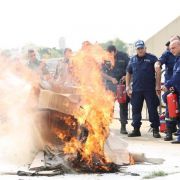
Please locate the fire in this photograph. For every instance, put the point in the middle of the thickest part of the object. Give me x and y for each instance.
(131, 159)
(96, 113)
(85, 131)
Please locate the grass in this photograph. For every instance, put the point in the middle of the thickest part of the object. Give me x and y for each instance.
(155, 174)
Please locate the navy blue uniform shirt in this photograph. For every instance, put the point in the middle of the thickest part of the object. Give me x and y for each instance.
(168, 59)
(175, 79)
(119, 69)
(143, 72)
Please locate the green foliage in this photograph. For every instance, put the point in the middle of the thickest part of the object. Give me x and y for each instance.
(120, 45)
(47, 53)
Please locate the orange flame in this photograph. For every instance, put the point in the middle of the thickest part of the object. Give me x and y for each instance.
(97, 101)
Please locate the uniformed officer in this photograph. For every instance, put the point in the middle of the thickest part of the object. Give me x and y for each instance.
(168, 59)
(141, 70)
(114, 70)
(175, 79)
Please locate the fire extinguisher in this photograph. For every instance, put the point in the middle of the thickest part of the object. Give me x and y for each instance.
(121, 92)
(172, 102)
(163, 127)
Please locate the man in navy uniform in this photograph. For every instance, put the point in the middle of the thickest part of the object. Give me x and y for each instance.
(142, 72)
(175, 79)
(114, 70)
(167, 59)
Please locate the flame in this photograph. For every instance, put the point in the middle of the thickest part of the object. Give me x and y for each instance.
(131, 160)
(96, 112)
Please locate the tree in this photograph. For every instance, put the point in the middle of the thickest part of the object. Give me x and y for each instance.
(47, 53)
(120, 45)
(106, 44)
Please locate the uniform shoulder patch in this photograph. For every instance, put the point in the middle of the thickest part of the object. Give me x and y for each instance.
(147, 60)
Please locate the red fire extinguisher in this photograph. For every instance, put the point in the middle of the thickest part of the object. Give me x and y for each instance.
(172, 102)
(121, 93)
(163, 127)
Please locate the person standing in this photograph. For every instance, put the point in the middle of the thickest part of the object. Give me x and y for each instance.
(175, 79)
(62, 74)
(33, 62)
(114, 71)
(142, 72)
(167, 59)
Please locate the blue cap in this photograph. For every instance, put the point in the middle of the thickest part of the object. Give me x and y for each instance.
(139, 44)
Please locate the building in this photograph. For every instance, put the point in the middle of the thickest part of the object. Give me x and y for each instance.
(156, 43)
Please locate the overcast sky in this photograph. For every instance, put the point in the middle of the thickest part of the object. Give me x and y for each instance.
(43, 22)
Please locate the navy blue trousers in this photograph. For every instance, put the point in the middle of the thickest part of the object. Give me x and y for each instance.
(124, 111)
(152, 102)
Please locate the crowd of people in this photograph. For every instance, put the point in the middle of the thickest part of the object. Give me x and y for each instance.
(143, 82)
(141, 75)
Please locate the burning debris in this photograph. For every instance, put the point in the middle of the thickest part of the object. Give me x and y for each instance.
(84, 113)
(97, 106)
(78, 113)
(94, 116)
(68, 125)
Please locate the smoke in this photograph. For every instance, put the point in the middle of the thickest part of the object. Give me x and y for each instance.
(19, 136)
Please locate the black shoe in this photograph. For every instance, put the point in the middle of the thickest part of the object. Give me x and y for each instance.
(177, 133)
(123, 129)
(135, 133)
(169, 136)
(156, 133)
(177, 141)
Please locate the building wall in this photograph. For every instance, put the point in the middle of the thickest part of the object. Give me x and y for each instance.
(156, 44)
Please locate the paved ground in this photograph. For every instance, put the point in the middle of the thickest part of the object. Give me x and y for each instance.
(153, 148)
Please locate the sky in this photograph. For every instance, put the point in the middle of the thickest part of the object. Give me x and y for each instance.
(43, 22)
